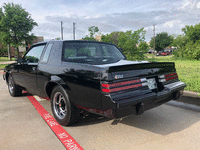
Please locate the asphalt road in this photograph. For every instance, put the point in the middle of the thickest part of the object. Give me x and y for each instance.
(172, 126)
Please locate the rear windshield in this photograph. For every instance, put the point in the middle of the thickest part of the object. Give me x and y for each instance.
(91, 53)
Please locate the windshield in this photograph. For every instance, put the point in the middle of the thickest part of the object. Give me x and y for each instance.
(91, 53)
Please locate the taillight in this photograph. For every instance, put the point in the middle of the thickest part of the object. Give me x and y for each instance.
(167, 77)
(114, 87)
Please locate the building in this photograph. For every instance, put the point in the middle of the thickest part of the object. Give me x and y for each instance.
(23, 49)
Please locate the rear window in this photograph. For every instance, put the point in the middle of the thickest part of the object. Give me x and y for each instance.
(91, 53)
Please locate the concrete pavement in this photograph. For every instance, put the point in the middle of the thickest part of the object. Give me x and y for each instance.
(7, 62)
(164, 127)
(21, 126)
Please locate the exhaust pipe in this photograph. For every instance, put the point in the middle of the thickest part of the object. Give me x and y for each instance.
(139, 108)
(176, 95)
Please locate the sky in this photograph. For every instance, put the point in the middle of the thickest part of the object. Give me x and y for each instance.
(109, 15)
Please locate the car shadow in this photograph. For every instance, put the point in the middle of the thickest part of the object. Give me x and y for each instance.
(91, 119)
(163, 120)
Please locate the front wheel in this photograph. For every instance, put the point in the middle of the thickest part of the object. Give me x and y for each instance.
(14, 89)
(63, 110)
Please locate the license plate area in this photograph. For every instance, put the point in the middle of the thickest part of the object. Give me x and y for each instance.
(152, 83)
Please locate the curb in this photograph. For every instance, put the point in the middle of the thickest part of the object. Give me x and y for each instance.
(191, 94)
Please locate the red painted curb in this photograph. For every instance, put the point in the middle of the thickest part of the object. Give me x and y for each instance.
(67, 140)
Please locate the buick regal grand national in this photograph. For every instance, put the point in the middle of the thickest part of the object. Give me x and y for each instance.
(83, 76)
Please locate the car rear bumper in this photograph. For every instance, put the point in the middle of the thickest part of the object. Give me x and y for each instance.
(144, 102)
(137, 105)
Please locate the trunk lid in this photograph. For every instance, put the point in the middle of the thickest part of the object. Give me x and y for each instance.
(129, 79)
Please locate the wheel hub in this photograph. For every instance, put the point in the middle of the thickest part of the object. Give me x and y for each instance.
(59, 104)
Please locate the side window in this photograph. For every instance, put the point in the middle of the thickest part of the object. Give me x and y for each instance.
(33, 56)
(46, 54)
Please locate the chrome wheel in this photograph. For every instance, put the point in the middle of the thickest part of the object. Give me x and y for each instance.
(11, 85)
(59, 104)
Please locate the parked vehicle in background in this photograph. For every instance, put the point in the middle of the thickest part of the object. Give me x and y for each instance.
(150, 51)
(168, 51)
(90, 76)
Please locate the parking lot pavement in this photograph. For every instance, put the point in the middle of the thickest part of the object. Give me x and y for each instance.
(165, 127)
(21, 127)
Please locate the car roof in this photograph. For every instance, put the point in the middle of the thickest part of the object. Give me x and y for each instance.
(71, 41)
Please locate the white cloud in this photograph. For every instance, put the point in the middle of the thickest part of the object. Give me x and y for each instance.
(198, 5)
(169, 24)
(110, 15)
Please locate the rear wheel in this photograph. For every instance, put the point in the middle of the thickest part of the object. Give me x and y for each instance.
(14, 89)
(63, 109)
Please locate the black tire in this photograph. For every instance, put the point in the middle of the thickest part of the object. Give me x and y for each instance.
(63, 110)
(13, 89)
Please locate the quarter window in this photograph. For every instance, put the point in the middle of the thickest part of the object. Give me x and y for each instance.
(46, 54)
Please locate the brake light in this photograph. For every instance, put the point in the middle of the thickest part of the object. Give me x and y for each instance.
(106, 90)
(105, 85)
(113, 87)
(167, 77)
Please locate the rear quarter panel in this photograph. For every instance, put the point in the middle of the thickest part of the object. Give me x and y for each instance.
(81, 81)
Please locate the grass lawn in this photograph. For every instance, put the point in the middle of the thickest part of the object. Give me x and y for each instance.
(4, 59)
(188, 72)
(3, 65)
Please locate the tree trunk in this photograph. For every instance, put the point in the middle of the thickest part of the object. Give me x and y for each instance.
(26, 46)
(9, 52)
(17, 52)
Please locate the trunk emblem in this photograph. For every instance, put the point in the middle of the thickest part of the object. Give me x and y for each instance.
(119, 76)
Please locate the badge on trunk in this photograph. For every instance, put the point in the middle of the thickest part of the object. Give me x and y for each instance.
(152, 83)
(118, 76)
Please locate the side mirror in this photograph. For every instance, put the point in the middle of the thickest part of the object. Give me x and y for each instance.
(19, 60)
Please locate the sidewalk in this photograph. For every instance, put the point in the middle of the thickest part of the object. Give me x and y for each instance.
(6, 62)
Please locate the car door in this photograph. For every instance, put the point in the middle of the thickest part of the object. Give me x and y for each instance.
(28, 68)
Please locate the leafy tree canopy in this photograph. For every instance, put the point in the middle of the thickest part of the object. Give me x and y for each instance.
(92, 31)
(162, 40)
(192, 32)
(128, 42)
(15, 25)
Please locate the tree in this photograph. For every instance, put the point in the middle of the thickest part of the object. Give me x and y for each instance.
(57, 38)
(15, 25)
(128, 42)
(192, 32)
(113, 37)
(162, 40)
(179, 41)
(92, 31)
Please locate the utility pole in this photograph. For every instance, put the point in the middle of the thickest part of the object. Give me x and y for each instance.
(61, 31)
(74, 30)
(154, 37)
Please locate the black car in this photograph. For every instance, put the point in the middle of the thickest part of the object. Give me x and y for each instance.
(91, 76)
